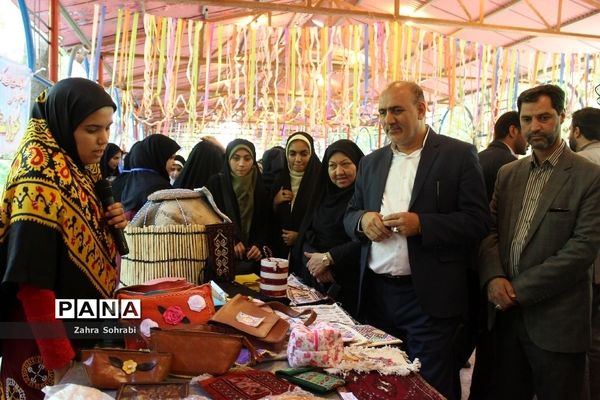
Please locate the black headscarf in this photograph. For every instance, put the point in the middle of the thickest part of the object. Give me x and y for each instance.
(328, 205)
(179, 158)
(272, 161)
(109, 152)
(126, 158)
(153, 153)
(148, 171)
(221, 186)
(51, 195)
(69, 102)
(205, 160)
(292, 218)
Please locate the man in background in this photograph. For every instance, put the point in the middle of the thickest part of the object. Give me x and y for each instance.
(584, 138)
(507, 144)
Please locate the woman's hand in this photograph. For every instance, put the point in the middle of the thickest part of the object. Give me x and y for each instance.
(315, 264)
(115, 216)
(254, 254)
(289, 237)
(239, 250)
(282, 196)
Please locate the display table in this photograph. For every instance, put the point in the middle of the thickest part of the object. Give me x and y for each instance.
(412, 387)
(77, 375)
(365, 386)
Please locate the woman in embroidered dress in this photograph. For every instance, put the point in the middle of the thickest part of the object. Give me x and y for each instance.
(150, 162)
(324, 256)
(54, 237)
(109, 165)
(239, 192)
(293, 189)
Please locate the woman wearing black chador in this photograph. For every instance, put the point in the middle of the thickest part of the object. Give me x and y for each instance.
(324, 256)
(239, 192)
(292, 191)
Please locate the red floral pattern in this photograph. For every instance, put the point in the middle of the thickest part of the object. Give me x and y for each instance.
(173, 315)
(46, 187)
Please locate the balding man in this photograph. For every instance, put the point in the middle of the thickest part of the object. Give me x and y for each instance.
(419, 209)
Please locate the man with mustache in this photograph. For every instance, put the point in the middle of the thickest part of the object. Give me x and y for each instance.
(419, 209)
(536, 263)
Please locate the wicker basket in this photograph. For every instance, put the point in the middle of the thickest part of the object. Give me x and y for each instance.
(168, 237)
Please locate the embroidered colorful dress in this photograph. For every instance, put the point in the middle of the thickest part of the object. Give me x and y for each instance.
(54, 242)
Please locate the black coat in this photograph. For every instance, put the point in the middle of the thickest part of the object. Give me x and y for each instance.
(491, 159)
(226, 201)
(449, 196)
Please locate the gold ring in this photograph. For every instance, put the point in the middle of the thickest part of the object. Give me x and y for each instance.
(498, 307)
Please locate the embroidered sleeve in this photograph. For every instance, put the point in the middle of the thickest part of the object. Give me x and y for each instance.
(50, 336)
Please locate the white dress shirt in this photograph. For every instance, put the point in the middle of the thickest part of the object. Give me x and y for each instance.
(390, 256)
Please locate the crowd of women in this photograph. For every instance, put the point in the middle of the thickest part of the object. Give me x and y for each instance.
(291, 203)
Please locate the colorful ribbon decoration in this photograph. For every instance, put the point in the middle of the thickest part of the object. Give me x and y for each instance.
(326, 79)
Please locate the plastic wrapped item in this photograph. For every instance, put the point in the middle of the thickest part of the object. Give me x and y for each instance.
(319, 345)
(72, 391)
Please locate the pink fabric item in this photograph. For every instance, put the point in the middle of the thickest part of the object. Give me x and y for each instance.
(318, 345)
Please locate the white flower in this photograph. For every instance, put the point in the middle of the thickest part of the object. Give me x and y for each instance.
(146, 325)
(196, 303)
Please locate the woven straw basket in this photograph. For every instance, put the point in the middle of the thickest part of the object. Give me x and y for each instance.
(167, 237)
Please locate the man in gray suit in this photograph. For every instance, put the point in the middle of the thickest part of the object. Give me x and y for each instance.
(584, 138)
(535, 265)
(419, 208)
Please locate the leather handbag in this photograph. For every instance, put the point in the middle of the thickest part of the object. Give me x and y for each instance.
(109, 368)
(200, 349)
(259, 322)
(167, 303)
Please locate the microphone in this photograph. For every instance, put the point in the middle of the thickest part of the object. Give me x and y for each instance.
(105, 195)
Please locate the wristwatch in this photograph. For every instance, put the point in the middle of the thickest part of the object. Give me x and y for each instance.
(326, 261)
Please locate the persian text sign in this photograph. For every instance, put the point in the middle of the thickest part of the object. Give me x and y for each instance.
(15, 93)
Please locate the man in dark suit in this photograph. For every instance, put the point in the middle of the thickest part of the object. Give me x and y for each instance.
(419, 208)
(584, 138)
(536, 263)
(507, 143)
